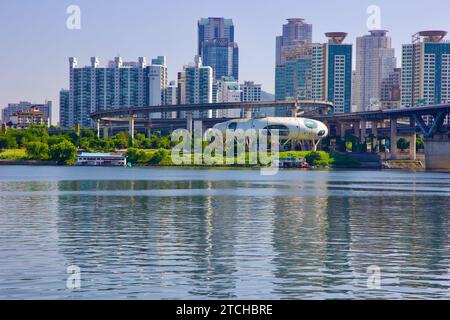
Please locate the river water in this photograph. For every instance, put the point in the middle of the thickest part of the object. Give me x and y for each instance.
(223, 234)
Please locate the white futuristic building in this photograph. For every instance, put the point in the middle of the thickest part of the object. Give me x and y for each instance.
(290, 129)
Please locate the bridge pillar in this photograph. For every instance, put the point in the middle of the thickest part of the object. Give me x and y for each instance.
(363, 135)
(98, 129)
(393, 138)
(357, 129)
(340, 130)
(131, 128)
(375, 136)
(412, 147)
(105, 132)
(248, 113)
(189, 116)
(437, 152)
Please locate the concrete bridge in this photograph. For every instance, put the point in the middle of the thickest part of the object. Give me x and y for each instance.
(428, 121)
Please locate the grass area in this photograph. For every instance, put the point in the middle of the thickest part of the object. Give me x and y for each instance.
(13, 154)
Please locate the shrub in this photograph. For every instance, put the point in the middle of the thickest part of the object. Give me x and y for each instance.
(159, 156)
(37, 150)
(64, 153)
(137, 156)
(318, 159)
(420, 145)
(403, 144)
(7, 142)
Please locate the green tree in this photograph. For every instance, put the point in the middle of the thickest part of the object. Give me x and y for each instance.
(137, 156)
(7, 142)
(159, 156)
(403, 144)
(64, 153)
(55, 140)
(37, 150)
(420, 144)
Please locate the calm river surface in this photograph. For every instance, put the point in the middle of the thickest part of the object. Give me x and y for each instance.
(208, 234)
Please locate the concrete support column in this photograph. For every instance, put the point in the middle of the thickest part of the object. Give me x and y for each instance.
(375, 136)
(189, 116)
(248, 113)
(105, 132)
(356, 127)
(294, 111)
(393, 138)
(131, 128)
(98, 129)
(437, 152)
(342, 130)
(412, 147)
(363, 135)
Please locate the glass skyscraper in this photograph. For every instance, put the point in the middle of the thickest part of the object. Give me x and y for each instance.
(217, 47)
(295, 33)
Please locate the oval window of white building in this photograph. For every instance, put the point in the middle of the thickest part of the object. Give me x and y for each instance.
(311, 124)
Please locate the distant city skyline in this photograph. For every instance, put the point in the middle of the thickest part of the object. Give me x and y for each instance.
(34, 50)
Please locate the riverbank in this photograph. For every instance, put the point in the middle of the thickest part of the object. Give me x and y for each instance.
(163, 158)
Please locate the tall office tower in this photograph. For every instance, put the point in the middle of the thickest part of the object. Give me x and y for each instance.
(214, 28)
(228, 90)
(375, 61)
(316, 71)
(217, 47)
(391, 90)
(64, 108)
(338, 73)
(93, 88)
(295, 33)
(426, 69)
(12, 108)
(198, 86)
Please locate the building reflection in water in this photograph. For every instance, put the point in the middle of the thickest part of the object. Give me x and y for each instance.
(172, 239)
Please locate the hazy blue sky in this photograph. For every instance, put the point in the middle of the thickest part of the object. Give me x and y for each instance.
(35, 43)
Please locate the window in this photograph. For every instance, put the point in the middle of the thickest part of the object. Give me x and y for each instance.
(283, 130)
(232, 126)
(311, 124)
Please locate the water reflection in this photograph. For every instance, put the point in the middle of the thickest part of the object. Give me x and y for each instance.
(235, 235)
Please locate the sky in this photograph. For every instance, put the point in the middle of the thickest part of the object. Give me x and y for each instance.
(35, 43)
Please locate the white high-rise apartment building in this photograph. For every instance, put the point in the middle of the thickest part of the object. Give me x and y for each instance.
(119, 85)
(375, 61)
(196, 86)
(157, 85)
(228, 91)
